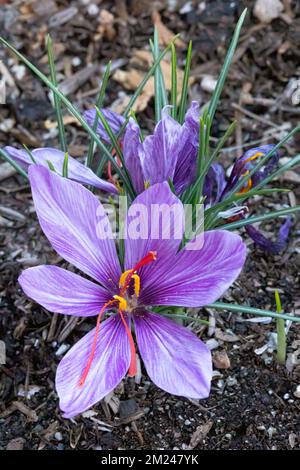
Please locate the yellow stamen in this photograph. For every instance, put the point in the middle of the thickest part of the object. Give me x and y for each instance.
(123, 277)
(256, 155)
(249, 184)
(122, 302)
(137, 284)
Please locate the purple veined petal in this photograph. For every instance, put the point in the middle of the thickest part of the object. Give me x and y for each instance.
(197, 277)
(158, 153)
(175, 359)
(76, 170)
(62, 291)
(155, 222)
(115, 121)
(192, 118)
(269, 245)
(214, 184)
(76, 225)
(109, 366)
(131, 144)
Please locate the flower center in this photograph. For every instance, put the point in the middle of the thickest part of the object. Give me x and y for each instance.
(247, 188)
(125, 303)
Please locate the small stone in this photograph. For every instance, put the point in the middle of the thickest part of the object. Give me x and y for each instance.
(231, 382)
(221, 360)
(212, 344)
(16, 444)
(286, 396)
(187, 422)
(58, 436)
(297, 392)
(93, 9)
(208, 83)
(267, 10)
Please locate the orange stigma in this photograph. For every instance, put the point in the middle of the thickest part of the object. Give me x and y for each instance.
(121, 301)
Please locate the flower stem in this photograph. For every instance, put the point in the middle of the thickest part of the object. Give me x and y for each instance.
(281, 335)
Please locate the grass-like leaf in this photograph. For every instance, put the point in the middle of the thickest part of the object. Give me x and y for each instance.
(224, 72)
(99, 104)
(185, 83)
(57, 102)
(253, 311)
(173, 82)
(260, 218)
(17, 167)
(65, 166)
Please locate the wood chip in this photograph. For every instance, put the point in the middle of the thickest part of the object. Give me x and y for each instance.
(165, 36)
(16, 444)
(200, 434)
(221, 360)
(31, 414)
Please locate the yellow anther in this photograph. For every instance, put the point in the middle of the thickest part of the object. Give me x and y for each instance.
(123, 277)
(122, 302)
(137, 284)
(256, 155)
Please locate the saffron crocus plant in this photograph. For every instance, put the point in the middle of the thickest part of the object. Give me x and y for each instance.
(156, 273)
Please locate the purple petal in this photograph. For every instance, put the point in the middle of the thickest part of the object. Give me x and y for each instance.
(64, 292)
(247, 162)
(175, 359)
(158, 153)
(188, 144)
(267, 244)
(109, 366)
(214, 184)
(131, 145)
(115, 121)
(196, 277)
(149, 229)
(76, 170)
(74, 222)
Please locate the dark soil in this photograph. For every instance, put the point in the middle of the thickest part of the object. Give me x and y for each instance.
(254, 402)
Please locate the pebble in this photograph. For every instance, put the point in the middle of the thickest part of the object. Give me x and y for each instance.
(221, 360)
(231, 382)
(93, 9)
(58, 436)
(208, 83)
(297, 392)
(267, 10)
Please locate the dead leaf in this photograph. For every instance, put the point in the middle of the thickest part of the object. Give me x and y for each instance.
(106, 27)
(200, 434)
(227, 336)
(165, 36)
(131, 78)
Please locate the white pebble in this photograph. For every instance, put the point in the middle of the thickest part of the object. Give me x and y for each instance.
(93, 9)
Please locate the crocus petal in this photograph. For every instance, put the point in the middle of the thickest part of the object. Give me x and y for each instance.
(158, 153)
(131, 146)
(76, 170)
(64, 292)
(271, 246)
(175, 359)
(155, 222)
(109, 366)
(115, 121)
(75, 223)
(214, 184)
(197, 277)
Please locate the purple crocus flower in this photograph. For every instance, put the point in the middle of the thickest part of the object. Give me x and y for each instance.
(217, 186)
(155, 274)
(76, 170)
(169, 154)
(115, 121)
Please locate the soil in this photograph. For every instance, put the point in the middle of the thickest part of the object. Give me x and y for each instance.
(254, 403)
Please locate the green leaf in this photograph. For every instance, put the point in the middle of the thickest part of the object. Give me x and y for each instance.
(57, 103)
(253, 311)
(260, 218)
(30, 154)
(185, 83)
(173, 82)
(99, 104)
(65, 166)
(17, 167)
(224, 72)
